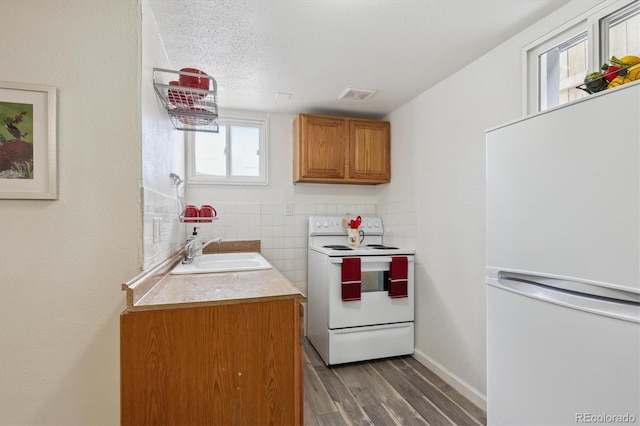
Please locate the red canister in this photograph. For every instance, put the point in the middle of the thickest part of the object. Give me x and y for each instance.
(191, 213)
(207, 213)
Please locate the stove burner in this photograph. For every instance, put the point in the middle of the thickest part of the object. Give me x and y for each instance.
(337, 247)
(381, 247)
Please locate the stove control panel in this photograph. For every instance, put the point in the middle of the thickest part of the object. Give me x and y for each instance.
(333, 225)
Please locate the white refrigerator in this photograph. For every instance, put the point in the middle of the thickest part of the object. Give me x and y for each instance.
(563, 264)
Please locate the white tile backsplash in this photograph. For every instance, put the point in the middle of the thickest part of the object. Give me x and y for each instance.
(163, 209)
(283, 238)
(400, 220)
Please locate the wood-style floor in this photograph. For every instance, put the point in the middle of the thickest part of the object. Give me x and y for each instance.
(393, 391)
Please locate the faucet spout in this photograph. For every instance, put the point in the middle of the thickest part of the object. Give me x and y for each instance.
(191, 252)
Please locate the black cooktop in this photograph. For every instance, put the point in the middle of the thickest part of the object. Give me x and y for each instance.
(381, 247)
(371, 246)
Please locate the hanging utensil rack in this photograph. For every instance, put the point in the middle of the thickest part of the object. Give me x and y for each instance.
(189, 108)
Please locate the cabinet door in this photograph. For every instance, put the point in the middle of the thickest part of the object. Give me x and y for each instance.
(238, 364)
(369, 155)
(322, 142)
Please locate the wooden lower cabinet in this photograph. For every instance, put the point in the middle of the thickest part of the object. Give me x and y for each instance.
(234, 364)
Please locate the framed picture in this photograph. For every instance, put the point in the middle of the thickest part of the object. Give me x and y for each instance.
(28, 153)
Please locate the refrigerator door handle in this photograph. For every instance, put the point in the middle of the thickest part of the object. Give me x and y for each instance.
(573, 286)
(627, 311)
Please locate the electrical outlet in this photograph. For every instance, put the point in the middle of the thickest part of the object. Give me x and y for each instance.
(288, 209)
(156, 230)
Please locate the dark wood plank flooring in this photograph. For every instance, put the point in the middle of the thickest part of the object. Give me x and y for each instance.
(392, 391)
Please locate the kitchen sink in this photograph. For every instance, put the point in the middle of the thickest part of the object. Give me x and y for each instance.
(223, 262)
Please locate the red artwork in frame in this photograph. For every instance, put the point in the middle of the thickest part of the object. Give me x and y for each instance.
(16, 141)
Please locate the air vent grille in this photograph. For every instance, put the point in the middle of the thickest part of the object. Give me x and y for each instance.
(359, 95)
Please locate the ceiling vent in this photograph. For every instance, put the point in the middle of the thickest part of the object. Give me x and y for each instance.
(353, 94)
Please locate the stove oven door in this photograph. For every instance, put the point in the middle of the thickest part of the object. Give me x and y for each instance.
(375, 306)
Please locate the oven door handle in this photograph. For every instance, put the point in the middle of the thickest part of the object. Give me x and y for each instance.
(370, 259)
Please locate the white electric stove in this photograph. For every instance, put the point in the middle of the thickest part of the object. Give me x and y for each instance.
(378, 321)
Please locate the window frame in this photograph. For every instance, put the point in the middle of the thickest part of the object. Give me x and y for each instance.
(580, 34)
(588, 22)
(239, 118)
(622, 13)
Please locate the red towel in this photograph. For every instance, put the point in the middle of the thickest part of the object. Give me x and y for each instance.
(351, 279)
(398, 276)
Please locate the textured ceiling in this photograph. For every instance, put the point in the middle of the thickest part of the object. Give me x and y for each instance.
(316, 49)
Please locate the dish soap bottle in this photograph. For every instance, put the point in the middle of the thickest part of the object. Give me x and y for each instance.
(194, 234)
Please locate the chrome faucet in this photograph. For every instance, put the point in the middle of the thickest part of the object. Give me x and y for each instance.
(190, 252)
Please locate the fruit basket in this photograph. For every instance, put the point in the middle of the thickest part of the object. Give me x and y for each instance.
(189, 97)
(618, 72)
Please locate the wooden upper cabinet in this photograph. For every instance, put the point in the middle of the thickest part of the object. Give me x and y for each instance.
(369, 155)
(340, 150)
(323, 155)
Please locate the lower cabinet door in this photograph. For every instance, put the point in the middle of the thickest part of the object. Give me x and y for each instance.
(233, 364)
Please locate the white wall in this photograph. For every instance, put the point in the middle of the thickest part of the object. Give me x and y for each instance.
(62, 262)
(438, 160)
(162, 152)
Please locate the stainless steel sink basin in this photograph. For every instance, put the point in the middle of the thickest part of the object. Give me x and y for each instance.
(223, 262)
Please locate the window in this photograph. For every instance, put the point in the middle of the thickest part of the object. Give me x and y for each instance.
(562, 68)
(236, 154)
(620, 32)
(559, 63)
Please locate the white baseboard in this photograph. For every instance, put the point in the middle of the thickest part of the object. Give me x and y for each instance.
(469, 392)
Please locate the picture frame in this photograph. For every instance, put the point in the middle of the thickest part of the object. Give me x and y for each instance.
(28, 145)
